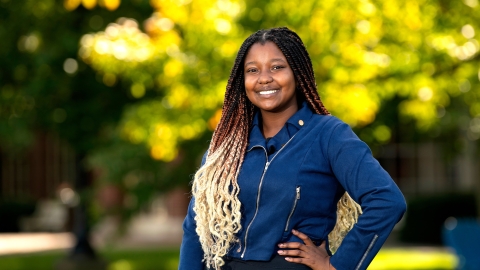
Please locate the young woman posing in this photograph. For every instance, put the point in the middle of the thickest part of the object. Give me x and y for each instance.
(274, 188)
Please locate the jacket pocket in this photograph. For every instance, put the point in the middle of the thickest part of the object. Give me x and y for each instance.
(297, 197)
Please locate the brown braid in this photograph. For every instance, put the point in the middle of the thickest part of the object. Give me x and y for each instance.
(215, 186)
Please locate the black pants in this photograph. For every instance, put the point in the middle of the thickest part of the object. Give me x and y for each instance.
(278, 262)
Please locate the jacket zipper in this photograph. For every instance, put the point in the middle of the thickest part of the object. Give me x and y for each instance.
(258, 203)
(260, 189)
(368, 250)
(297, 197)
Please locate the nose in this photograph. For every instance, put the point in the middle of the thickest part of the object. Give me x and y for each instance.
(265, 78)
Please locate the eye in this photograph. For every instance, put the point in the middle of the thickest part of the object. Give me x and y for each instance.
(277, 67)
(251, 70)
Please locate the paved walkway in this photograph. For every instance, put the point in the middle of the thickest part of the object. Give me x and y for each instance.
(143, 231)
(14, 243)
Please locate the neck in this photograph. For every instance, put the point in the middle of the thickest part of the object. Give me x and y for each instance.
(272, 122)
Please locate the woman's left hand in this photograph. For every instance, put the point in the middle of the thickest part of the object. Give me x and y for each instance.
(315, 257)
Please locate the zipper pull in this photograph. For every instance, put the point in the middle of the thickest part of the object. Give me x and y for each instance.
(298, 193)
(266, 166)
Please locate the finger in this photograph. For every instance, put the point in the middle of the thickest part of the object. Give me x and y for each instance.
(292, 245)
(298, 260)
(304, 237)
(292, 252)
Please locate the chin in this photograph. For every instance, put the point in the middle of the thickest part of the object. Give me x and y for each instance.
(268, 107)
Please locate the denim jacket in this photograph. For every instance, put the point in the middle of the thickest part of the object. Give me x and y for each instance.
(294, 181)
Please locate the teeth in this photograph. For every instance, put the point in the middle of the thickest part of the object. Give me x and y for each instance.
(267, 92)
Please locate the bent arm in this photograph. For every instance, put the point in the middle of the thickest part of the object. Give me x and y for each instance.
(382, 203)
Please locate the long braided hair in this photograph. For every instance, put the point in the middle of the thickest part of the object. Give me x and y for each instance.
(215, 186)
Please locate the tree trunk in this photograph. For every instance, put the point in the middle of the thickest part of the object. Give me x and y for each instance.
(82, 256)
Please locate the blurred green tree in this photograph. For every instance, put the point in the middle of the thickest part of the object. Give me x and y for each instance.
(44, 87)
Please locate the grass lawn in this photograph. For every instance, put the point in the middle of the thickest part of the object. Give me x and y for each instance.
(167, 259)
(414, 258)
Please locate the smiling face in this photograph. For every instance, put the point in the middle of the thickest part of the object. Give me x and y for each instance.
(269, 80)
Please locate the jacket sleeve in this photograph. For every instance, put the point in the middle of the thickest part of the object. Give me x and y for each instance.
(191, 253)
(382, 203)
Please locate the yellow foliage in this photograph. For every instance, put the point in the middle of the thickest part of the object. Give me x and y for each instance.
(341, 75)
(163, 152)
(137, 90)
(109, 79)
(352, 103)
(352, 54)
(229, 48)
(412, 18)
(167, 40)
(176, 10)
(222, 26)
(178, 95)
(199, 126)
(135, 134)
(187, 132)
(173, 68)
(319, 23)
(424, 112)
(364, 74)
(89, 4)
(329, 61)
(475, 109)
(382, 133)
(121, 43)
(366, 8)
(110, 4)
(71, 4)
(214, 120)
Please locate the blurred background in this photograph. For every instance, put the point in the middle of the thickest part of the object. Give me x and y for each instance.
(107, 106)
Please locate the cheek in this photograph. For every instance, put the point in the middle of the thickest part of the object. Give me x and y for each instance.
(292, 81)
(249, 84)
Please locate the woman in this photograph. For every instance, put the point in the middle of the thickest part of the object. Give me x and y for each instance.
(278, 165)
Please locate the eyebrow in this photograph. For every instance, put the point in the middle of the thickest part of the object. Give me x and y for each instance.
(273, 60)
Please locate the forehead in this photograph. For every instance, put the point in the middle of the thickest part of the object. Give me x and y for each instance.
(266, 51)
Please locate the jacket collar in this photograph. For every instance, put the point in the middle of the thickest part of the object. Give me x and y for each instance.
(299, 120)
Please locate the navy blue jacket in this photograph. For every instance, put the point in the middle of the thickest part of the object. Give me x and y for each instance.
(294, 180)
